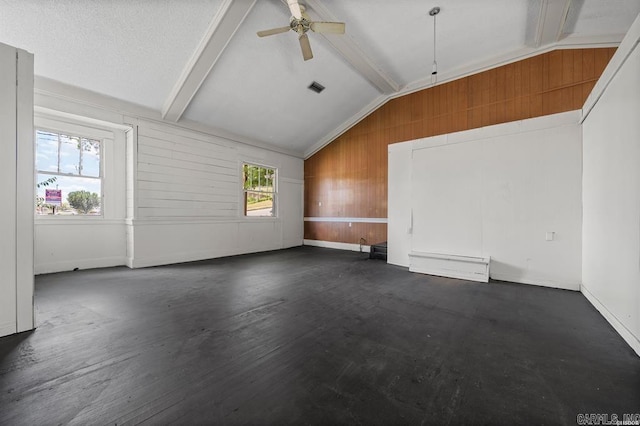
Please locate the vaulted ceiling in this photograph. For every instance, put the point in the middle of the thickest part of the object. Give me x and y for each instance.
(200, 61)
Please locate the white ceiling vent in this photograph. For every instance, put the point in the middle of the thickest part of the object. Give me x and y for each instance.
(316, 87)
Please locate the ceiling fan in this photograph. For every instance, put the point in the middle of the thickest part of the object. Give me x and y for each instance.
(301, 23)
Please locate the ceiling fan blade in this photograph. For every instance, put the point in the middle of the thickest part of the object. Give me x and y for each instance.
(328, 27)
(294, 7)
(306, 47)
(273, 31)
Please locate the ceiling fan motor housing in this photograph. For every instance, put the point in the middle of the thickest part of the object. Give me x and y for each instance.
(301, 25)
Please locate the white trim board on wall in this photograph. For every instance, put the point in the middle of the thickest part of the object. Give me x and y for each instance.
(338, 246)
(346, 219)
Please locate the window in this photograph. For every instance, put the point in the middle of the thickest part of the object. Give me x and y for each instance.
(69, 174)
(259, 190)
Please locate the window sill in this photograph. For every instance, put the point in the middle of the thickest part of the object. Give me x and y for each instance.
(76, 220)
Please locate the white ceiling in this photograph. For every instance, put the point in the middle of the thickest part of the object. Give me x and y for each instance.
(201, 61)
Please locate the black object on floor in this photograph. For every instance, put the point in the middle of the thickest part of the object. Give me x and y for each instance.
(309, 336)
(378, 251)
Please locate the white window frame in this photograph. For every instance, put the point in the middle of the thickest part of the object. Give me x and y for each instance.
(106, 138)
(243, 191)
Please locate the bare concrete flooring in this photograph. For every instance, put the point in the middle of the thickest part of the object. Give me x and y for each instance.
(309, 336)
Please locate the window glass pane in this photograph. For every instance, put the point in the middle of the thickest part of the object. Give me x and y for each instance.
(90, 158)
(69, 154)
(47, 151)
(259, 190)
(252, 177)
(77, 196)
(269, 175)
(247, 177)
(259, 204)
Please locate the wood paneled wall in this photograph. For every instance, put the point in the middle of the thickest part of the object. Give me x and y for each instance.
(348, 177)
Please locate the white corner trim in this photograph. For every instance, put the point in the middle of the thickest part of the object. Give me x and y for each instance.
(223, 26)
(338, 246)
(346, 219)
(623, 331)
(626, 48)
(590, 42)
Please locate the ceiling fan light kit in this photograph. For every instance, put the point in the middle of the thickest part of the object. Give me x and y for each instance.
(301, 23)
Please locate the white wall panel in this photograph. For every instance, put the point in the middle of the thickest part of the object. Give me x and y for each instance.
(399, 225)
(25, 193)
(178, 195)
(16, 184)
(446, 200)
(496, 192)
(532, 186)
(8, 185)
(611, 192)
(291, 209)
(66, 243)
(189, 198)
(79, 244)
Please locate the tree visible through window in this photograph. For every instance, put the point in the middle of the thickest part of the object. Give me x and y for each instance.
(69, 178)
(259, 190)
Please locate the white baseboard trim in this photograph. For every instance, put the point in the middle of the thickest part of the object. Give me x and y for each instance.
(70, 265)
(339, 246)
(291, 243)
(541, 282)
(7, 329)
(623, 331)
(194, 256)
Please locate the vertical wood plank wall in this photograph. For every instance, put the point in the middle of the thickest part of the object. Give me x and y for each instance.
(348, 177)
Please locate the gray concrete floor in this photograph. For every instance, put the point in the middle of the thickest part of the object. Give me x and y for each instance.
(309, 336)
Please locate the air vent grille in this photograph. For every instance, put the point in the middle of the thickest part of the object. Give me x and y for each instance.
(316, 87)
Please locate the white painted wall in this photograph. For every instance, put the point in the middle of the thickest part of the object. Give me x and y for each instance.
(16, 184)
(189, 198)
(65, 243)
(175, 192)
(494, 191)
(611, 192)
